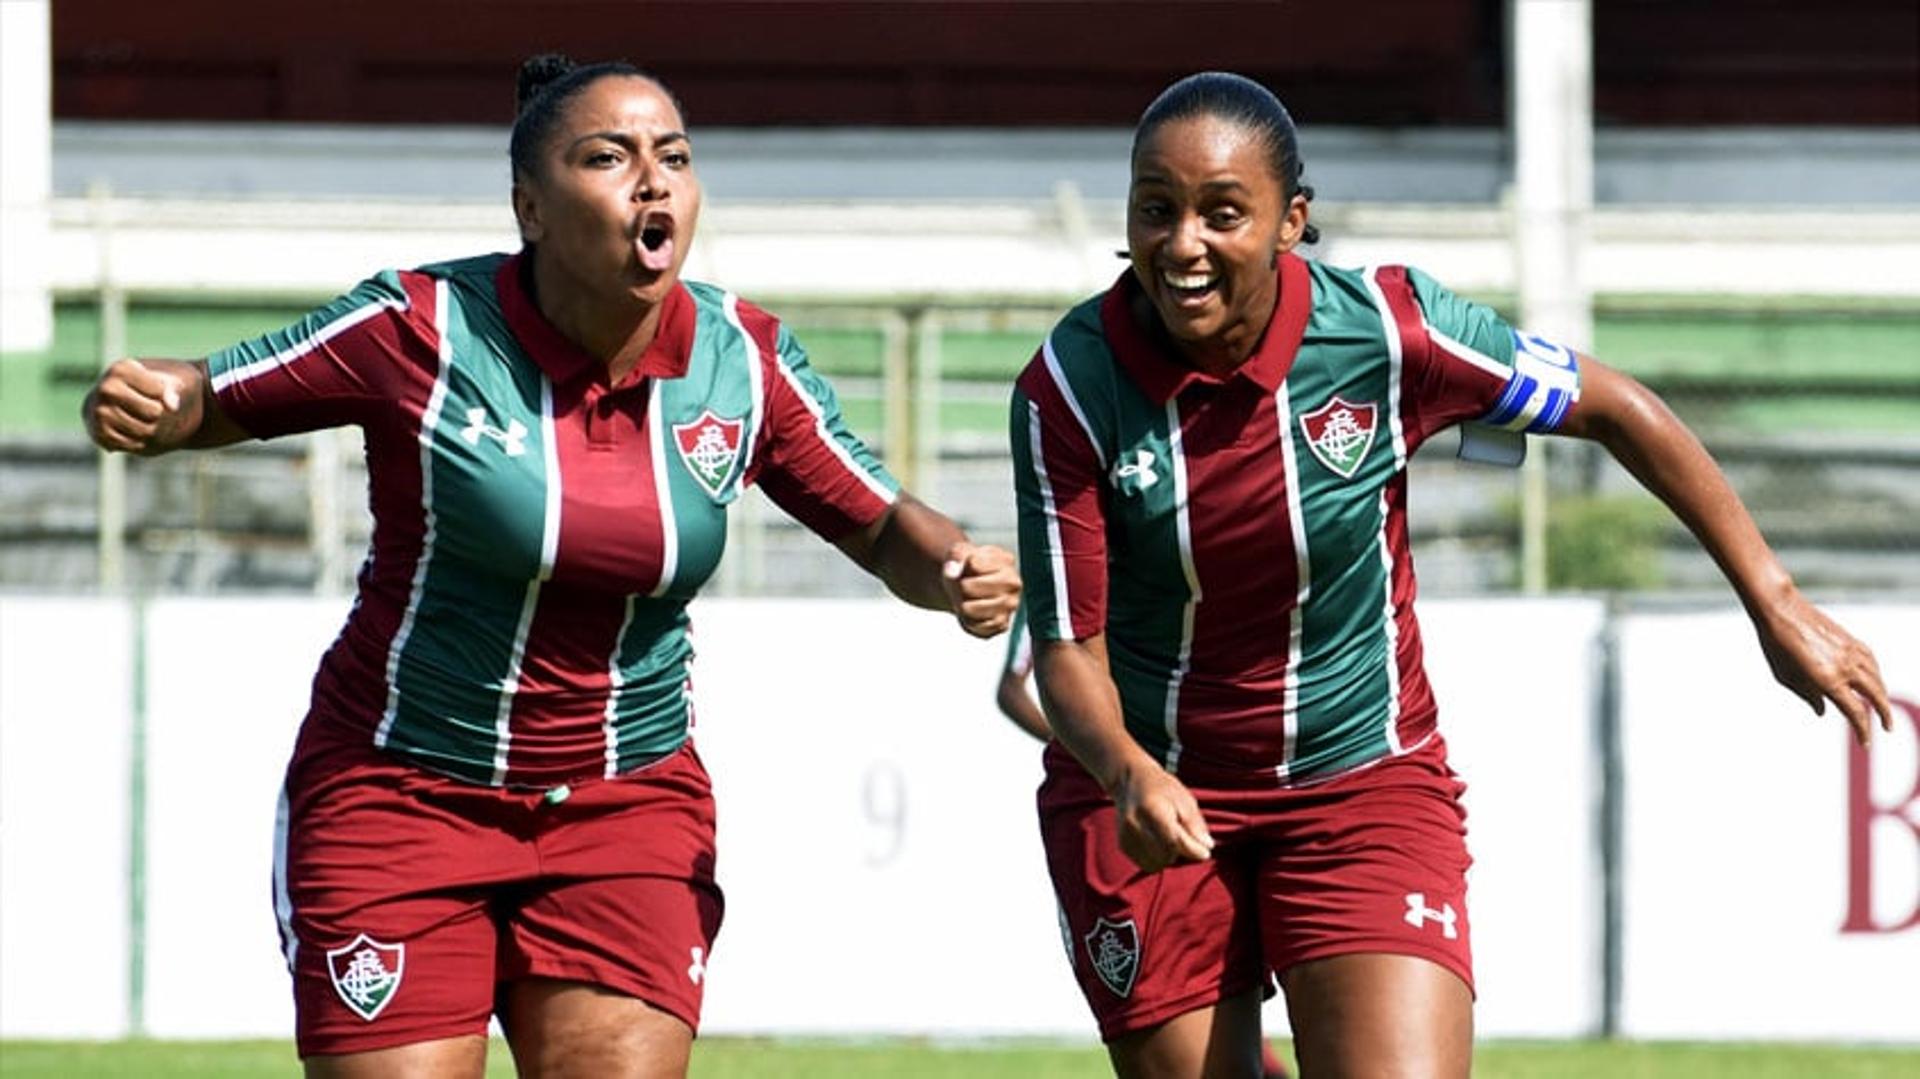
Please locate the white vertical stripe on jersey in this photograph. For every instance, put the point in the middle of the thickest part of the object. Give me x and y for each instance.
(1303, 577)
(1056, 553)
(614, 681)
(1183, 523)
(833, 444)
(1396, 366)
(549, 551)
(662, 490)
(1066, 392)
(293, 352)
(756, 383)
(430, 528)
(282, 895)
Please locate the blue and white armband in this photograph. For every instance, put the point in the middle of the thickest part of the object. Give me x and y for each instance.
(1544, 384)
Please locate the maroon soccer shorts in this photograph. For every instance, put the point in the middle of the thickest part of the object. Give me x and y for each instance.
(406, 899)
(1373, 861)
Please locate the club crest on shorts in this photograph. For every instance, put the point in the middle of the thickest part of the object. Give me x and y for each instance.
(1340, 434)
(366, 974)
(710, 446)
(1114, 950)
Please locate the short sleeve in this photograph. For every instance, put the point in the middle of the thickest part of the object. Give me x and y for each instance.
(1057, 490)
(1467, 364)
(335, 366)
(812, 465)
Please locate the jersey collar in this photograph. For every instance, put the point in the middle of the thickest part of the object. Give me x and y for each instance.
(1162, 375)
(563, 361)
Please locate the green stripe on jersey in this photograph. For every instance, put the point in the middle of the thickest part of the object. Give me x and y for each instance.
(1147, 590)
(489, 499)
(1346, 696)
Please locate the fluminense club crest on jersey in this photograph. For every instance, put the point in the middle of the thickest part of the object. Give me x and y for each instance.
(1114, 950)
(710, 446)
(366, 973)
(1340, 433)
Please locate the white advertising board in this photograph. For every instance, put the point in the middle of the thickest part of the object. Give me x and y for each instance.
(66, 703)
(1769, 891)
(227, 685)
(1516, 684)
(877, 835)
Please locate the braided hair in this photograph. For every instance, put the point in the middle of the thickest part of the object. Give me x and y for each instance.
(1245, 103)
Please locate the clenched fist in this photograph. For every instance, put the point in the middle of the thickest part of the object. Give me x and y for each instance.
(983, 587)
(146, 406)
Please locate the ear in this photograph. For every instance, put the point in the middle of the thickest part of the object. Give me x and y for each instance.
(1292, 226)
(526, 210)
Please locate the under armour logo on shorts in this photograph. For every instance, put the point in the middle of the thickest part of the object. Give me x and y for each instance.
(1419, 914)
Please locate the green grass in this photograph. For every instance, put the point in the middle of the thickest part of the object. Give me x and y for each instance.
(734, 1058)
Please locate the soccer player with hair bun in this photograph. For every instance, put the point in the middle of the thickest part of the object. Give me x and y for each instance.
(1247, 780)
(494, 806)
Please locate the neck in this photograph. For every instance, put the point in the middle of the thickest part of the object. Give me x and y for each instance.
(615, 333)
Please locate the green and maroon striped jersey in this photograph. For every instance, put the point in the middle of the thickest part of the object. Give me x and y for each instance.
(1242, 541)
(537, 531)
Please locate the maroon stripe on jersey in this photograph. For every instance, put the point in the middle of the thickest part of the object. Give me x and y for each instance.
(611, 543)
(558, 725)
(797, 465)
(1417, 712)
(351, 686)
(1242, 539)
(1074, 478)
(348, 378)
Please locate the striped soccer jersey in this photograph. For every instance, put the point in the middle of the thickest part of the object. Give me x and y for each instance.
(537, 533)
(1242, 542)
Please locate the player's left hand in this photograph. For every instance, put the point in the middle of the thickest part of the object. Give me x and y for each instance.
(1819, 661)
(983, 587)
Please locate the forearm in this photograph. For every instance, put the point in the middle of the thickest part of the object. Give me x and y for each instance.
(1018, 705)
(907, 549)
(1660, 452)
(1083, 708)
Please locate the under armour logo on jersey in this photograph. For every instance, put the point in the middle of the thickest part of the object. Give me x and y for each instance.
(1419, 914)
(1139, 470)
(513, 439)
(697, 969)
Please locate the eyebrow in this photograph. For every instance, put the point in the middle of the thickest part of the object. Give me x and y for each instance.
(1210, 186)
(626, 139)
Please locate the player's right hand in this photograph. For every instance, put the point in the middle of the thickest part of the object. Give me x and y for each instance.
(144, 408)
(1160, 821)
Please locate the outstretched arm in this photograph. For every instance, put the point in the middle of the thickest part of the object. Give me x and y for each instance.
(926, 559)
(1809, 653)
(149, 407)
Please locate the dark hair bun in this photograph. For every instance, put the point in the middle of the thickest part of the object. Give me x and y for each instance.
(536, 72)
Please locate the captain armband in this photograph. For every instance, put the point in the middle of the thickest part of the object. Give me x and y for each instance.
(1544, 384)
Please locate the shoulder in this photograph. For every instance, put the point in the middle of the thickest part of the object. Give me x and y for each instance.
(1075, 349)
(717, 305)
(480, 268)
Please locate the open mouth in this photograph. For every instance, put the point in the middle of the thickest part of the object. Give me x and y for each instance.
(1189, 287)
(655, 243)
